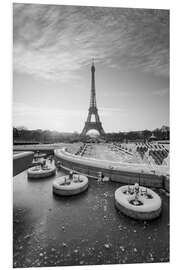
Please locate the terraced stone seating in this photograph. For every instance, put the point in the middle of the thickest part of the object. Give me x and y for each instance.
(151, 153)
(165, 148)
(142, 150)
(158, 156)
(81, 150)
(165, 153)
(118, 147)
(154, 156)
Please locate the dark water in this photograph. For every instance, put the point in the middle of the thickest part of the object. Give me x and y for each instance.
(84, 229)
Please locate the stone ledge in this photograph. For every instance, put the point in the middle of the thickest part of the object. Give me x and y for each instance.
(121, 176)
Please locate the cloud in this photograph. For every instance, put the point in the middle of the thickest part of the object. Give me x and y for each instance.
(24, 110)
(161, 92)
(21, 109)
(60, 119)
(38, 117)
(109, 111)
(55, 42)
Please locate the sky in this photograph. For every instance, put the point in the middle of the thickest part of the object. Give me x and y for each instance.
(53, 47)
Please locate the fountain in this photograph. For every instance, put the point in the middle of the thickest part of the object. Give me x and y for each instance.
(70, 184)
(41, 171)
(138, 202)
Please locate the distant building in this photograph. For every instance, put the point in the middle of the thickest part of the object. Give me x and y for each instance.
(152, 138)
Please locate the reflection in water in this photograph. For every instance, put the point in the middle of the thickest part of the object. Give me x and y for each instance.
(82, 229)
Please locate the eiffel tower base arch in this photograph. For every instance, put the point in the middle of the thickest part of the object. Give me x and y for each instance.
(93, 125)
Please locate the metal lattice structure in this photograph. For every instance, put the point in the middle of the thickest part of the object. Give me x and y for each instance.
(97, 125)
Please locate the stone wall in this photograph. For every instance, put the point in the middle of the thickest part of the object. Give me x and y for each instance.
(22, 161)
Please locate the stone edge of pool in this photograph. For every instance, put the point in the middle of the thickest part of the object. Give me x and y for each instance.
(22, 161)
(122, 173)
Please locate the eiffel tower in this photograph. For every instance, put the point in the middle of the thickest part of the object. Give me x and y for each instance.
(93, 109)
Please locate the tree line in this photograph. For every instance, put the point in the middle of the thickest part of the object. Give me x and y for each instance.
(23, 136)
